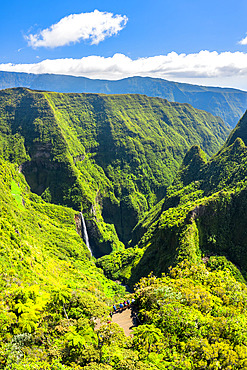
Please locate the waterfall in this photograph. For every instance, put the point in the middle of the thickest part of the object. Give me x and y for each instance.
(85, 234)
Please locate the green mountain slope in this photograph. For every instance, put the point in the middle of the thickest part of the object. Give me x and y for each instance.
(48, 281)
(113, 156)
(203, 214)
(75, 150)
(239, 131)
(229, 104)
(52, 294)
(40, 242)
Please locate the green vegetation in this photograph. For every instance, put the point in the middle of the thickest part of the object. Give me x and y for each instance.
(16, 192)
(203, 214)
(194, 319)
(229, 104)
(51, 292)
(113, 156)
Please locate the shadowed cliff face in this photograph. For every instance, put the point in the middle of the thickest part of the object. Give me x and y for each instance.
(38, 170)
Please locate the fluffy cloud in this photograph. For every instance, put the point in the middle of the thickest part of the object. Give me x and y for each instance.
(204, 67)
(94, 26)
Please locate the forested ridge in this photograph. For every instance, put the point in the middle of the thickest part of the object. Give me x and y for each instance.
(163, 194)
(202, 214)
(227, 103)
(112, 155)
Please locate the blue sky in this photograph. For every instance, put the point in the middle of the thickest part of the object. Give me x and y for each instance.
(192, 41)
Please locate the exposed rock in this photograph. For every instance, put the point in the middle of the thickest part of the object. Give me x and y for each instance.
(41, 150)
(198, 211)
(78, 224)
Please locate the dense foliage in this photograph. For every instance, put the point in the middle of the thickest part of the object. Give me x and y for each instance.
(51, 295)
(194, 319)
(203, 214)
(51, 292)
(107, 156)
(112, 155)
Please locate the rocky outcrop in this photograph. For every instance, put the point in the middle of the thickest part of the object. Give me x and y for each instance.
(78, 224)
(198, 211)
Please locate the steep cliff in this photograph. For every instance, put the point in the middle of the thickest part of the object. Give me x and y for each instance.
(113, 156)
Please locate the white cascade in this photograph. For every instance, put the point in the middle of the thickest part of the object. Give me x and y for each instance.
(85, 234)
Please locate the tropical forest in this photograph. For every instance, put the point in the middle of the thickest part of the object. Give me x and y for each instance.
(122, 233)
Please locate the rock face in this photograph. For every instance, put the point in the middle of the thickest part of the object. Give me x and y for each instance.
(40, 171)
(198, 211)
(78, 224)
(81, 229)
(99, 247)
(96, 247)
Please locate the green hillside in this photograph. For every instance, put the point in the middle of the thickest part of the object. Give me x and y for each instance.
(50, 289)
(203, 214)
(112, 156)
(229, 104)
(51, 295)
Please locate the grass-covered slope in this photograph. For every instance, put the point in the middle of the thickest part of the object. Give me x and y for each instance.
(229, 104)
(40, 242)
(51, 294)
(113, 156)
(203, 214)
(46, 149)
(50, 289)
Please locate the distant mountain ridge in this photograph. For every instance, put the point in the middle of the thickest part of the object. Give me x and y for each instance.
(227, 103)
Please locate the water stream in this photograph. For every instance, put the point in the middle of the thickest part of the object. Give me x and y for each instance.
(85, 234)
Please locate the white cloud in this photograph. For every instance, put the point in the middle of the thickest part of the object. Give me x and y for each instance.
(243, 41)
(205, 67)
(94, 26)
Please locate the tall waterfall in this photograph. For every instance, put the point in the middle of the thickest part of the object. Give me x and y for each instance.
(85, 234)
